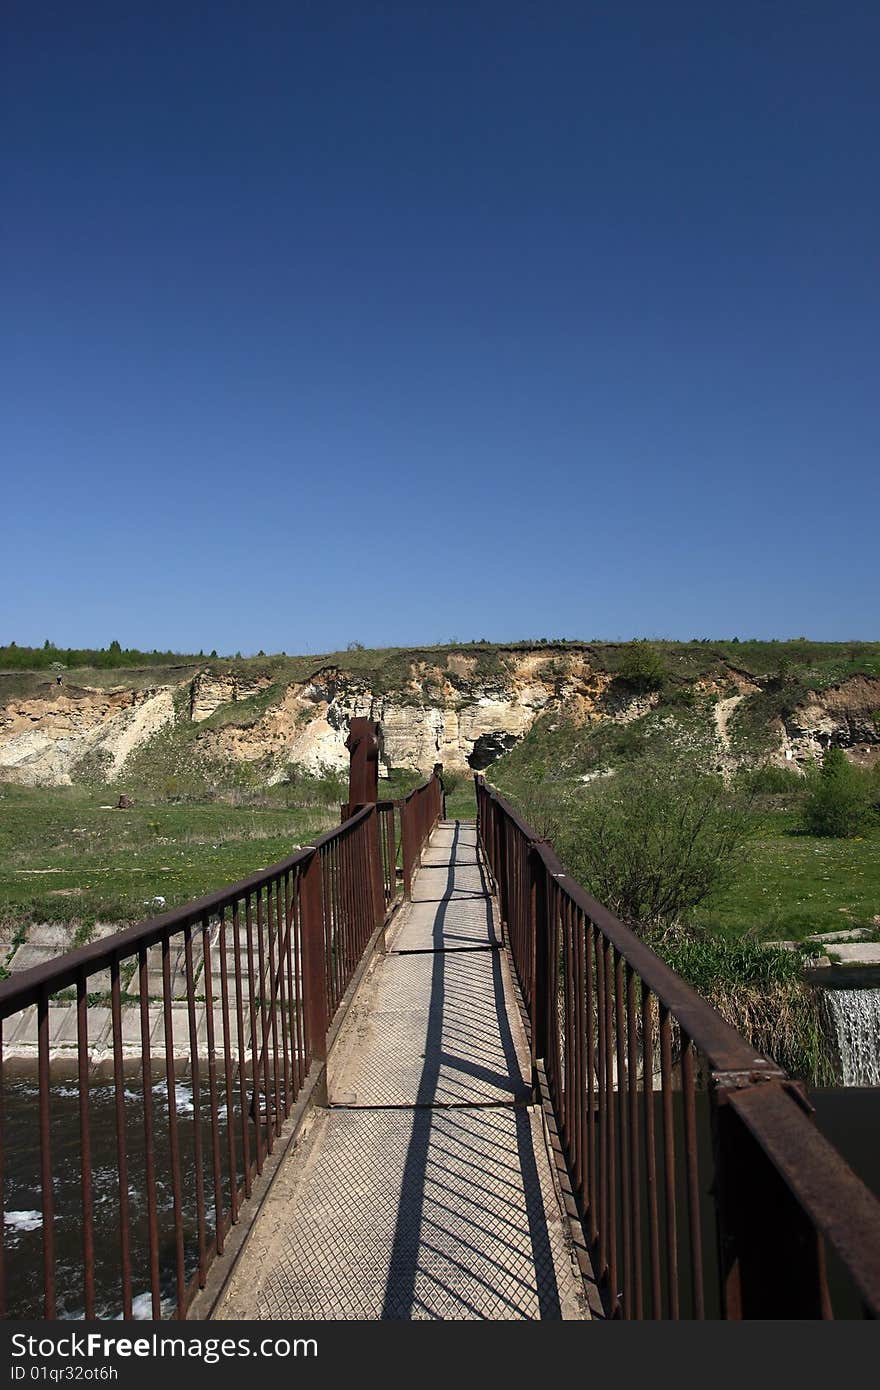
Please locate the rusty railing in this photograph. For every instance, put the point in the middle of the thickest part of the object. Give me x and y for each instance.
(419, 813)
(692, 1165)
(194, 1037)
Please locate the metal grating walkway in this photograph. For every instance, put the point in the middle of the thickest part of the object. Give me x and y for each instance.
(425, 1191)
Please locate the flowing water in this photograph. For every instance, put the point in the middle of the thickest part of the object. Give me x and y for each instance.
(23, 1216)
(854, 1019)
(849, 1116)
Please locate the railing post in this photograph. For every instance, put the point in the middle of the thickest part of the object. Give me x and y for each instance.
(377, 882)
(539, 959)
(406, 848)
(314, 970)
(771, 1257)
(501, 884)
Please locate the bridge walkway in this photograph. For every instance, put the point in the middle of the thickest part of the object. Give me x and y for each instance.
(425, 1190)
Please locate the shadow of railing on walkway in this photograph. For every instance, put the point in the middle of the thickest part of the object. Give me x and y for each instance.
(431, 1218)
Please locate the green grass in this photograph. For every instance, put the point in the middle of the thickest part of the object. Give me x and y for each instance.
(461, 802)
(761, 993)
(788, 885)
(92, 863)
(792, 884)
(67, 855)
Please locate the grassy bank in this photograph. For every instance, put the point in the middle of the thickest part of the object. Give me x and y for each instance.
(791, 884)
(66, 853)
(781, 883)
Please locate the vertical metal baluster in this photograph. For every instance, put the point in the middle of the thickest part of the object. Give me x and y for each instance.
(361, 898)
(149, 1132)
(581, 1034)
(195, 1075)
(290, 919)
(264, 1019)
(121, 1145)
(242, 1050)
(173, 1138)
(216, 1172)
(567, 1011)
(338, 904)
(339, 914)
(46, 1184)
(330, 864)
(634, 1175)
(669, 1161)
(255, 1055)
(602, 1074)
(85, 1147)
(227, 1070)
(614, 1289)
(297, 991)
(692, 1172)
(392, 857)
(348, 915)
(589, 948)
(3, 1304)
(273, 1005)
(650, 1152)
(281, 922)
(623, 1134)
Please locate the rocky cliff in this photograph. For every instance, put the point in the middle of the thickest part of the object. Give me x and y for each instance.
(459, 709)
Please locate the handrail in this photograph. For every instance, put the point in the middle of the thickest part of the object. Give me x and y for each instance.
(22, 989)
(420, 810)
(618, 1042)
(240, 993)
(724, 1048)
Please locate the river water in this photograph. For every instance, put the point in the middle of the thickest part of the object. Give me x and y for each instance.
(23, 1215)
(849, 1116)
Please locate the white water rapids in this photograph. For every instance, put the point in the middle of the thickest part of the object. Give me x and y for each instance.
(854, 1015)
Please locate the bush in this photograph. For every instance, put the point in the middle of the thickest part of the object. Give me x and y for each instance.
(771, 780)
(762, 993)
(840, 801)
(642, 668)
(653, 841)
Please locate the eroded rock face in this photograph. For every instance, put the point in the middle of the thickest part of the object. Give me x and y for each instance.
(209, 692)
(43, 739)
(309, 725)
(449, 714)
(844, 716)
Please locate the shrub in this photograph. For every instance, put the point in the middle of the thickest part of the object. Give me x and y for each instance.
(840, 801)
(772, 780)
(642, 667)
(653, 841)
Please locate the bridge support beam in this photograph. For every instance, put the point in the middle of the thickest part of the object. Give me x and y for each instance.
(364, 744)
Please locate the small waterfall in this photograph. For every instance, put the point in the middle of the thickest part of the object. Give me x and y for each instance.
(854, 1016)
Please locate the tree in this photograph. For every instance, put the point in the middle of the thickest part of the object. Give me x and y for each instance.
(840, 801)
(642, 667)
(655, 840)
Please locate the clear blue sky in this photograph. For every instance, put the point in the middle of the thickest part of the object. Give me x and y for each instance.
(393, 323)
